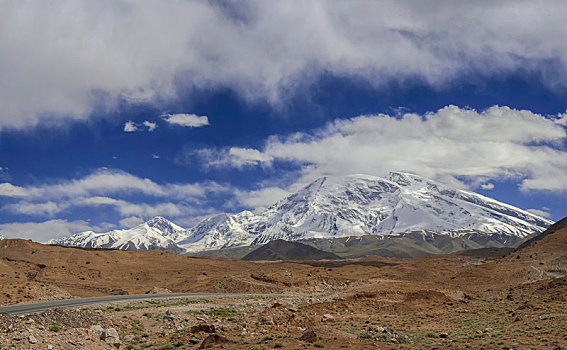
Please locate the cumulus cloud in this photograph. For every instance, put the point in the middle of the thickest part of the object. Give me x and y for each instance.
(44, 231)
(130, 126)
(9, 190)
(150, 125)
(187, 120)
(487, 186)
(450, 144)
(71, 56)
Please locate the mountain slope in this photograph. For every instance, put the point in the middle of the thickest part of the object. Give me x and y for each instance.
(361, 204)
(284, 250)
(559, 225)
(158, 233)
(399, 245)
(545, 255)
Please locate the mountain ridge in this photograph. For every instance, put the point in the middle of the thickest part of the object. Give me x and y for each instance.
(332, 207)
(283, 250)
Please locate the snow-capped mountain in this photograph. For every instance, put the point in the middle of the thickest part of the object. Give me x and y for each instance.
(158, 233)
(2, 237)
(362, 204)
(332, 207)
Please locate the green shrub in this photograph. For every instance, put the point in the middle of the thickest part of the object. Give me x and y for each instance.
(56, 327)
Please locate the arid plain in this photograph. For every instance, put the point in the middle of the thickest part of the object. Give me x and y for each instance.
(488, 298)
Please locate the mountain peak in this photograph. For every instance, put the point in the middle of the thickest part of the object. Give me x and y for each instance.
(163, 224)
(157, 220)
(406, 179)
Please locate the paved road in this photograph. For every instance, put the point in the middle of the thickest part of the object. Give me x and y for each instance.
(46, 305)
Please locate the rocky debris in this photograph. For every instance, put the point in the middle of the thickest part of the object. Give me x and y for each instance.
(129, 338)
(35, 331)
(388, 335)
(328, 318)
(266, 321)
(526, 306)
(207, 328)
(212, 340)
(444, 335)
(110, 336)
(96, 330)
(158, 290)
(309, 336)
(194, 341)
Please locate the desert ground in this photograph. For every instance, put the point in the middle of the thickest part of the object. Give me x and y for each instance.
(489, 298)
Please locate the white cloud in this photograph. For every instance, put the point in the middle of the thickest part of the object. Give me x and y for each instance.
(126, 208)
(211, 158)
(105, 187)
(71, 56)
(130, 126)
(261, 198)
(487, 186)
(155, 156)
(44, 231)
(131, 221)
(451, 143)
(48, 208)
(150, 125)
(187, 120)
(538, 212)
(106, 182)
(246, 156)
(9, 190)
(102, 181)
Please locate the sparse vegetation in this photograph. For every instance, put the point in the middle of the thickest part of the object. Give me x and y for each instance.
(56, 327)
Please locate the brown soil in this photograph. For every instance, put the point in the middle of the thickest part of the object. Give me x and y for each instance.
(463, 301)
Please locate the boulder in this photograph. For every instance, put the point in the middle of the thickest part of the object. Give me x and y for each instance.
(96, 330)
(110, 336)
(207, 328)
(213, 339)
(308, 336)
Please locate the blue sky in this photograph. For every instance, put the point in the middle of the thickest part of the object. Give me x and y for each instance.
(118, 111)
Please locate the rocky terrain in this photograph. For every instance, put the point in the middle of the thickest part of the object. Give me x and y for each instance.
(493, 299)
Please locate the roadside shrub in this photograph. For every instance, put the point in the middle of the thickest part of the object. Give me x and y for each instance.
(56, 327)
